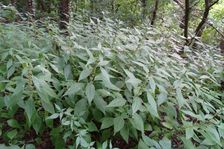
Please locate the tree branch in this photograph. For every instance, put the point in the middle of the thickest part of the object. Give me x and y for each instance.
(218, 31)
(213, 3)
(179, 3)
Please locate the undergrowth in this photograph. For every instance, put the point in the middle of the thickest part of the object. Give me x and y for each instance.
(106, 86)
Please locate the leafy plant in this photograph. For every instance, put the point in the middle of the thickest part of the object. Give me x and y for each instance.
(106, 86)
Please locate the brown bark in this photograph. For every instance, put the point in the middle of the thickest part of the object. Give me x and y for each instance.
(221, 46)
(181, 5)
(48, 6)
(31, 9)
(63, 14)
(186, 19)
(113, 6)
(199, 30)
(200, 27)
(154, 13)
(13, 2)
(42, 5)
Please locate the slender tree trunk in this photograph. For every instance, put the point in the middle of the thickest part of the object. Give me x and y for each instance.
(221, 46)
(201, 25)
(48, 6)
(13, 2)
(31, 8)
(154, 13)
(186, 19)
(42, 5)
(113, 6)
(181, 4)
(63, 14)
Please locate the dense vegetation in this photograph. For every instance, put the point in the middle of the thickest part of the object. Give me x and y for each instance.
(129, 77)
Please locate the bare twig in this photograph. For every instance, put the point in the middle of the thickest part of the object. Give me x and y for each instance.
(218, 31)
(179, 3)
(213, 3)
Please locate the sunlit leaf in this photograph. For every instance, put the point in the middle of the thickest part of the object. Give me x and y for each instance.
(90, 92)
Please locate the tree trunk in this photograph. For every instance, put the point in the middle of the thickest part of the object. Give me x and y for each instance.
(154, 13)
(42, 5)
(113, 6)
(201, 25)
(48, 6)
(186, 19)
(13, 2)
(221, 46)
(31, 8)
(63, 14)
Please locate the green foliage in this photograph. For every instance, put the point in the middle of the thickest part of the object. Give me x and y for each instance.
(218, 10)
(104, 83)
(8, 13)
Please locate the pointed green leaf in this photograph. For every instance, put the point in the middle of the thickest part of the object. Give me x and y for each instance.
(118, 124)
(85, 73)
(106, 80)
(136, 105)
(90, 92)
(37, 123)
(152, 105)
(142, 145)
(152, 84)
(125, 133)
(118, 102)
(189, 132)
(48, 107)
(100, 103)
(75, 88)
(42, 86)
(106, 122)
(13, 123)
(11, 134)
(29, 109)
(53, 116)
(132, 79)
(138, 122)
(180, 98)
(165, 143)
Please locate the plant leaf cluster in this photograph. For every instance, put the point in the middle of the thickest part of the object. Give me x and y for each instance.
(104, 83)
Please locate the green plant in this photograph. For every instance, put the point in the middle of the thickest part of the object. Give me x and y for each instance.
(106, 86)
